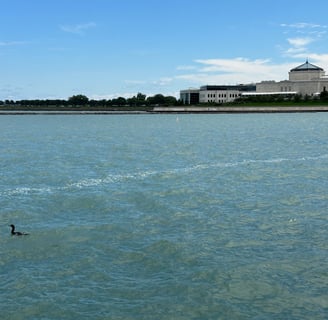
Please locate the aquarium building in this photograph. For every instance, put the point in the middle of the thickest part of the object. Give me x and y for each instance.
(306, 79)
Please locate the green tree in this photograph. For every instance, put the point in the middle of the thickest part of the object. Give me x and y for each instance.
(141, 98)
(138, 100)
(132, 102)
(324, 95)
(170, 100)
(120, 101)
(78, 99)
(297, 97)
(156, 99)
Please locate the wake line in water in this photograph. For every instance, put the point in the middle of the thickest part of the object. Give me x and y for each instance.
(142, 175)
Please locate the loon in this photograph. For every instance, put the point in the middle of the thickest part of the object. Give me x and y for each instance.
(16, 233)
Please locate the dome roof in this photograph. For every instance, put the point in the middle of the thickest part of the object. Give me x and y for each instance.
(307, 67)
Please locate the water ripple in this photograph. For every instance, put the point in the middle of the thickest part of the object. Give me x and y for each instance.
(142, 175)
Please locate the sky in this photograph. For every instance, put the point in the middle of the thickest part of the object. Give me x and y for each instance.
(109, 48)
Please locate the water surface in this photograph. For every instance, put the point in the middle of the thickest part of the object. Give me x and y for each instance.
(164, 217)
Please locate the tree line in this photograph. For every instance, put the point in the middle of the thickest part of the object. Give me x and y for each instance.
(139, 100)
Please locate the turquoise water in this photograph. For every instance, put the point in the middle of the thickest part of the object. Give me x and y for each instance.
(164, 217)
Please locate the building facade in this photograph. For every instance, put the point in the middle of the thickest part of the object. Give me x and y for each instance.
(215, 93)
(189, 96)
(306, 79)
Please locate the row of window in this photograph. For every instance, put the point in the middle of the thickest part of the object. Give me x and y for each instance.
(223, 95)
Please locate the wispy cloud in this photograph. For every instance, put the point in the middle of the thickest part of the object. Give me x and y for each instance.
(298, 45)
(235, 71)
(12, 43)
(300, 42)
(301, 38)
(11, 92)
(186, 67)
(231, 65)
(78, 28)
(305, 29)
(238, 70)
(134, 82)
(164, 81)
(303, 25)
(300, 35)
(149, 85)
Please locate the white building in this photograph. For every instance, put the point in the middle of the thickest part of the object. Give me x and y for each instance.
(306, 79)
(215, 93)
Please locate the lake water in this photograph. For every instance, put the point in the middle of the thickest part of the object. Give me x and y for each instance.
(164, 216)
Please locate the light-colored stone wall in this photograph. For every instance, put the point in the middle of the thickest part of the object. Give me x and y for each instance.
(307, 82)
(302, 87)
(272, 86)
(307, 75)
(218, 96)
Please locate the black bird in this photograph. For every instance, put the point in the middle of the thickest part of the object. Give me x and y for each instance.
(16, 233)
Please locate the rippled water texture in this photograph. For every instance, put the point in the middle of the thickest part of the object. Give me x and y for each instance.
(164, 217)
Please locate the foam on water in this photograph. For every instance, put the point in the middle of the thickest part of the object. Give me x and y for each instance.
(118, 178)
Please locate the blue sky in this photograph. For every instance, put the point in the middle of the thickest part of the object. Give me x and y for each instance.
(110, 48)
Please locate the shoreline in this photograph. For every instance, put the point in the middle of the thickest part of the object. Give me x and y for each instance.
(239, 109)
(168, 110)
(59, 112)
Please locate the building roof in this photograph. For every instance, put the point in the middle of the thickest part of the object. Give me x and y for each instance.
(307, 67)
(238, 87)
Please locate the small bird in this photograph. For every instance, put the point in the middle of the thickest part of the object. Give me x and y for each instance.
(16, 233)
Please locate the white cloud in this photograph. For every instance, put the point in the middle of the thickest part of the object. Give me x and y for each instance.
(164, 81)
(301, 36)
(318, 59)
(78, 28)
(241, 70)
(231, 65)
(298, 45)
(303, 25)
(236, 71)
(300, 42)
